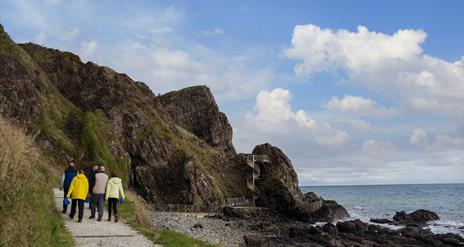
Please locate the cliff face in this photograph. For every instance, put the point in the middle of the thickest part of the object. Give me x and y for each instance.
(195, 109)
(175, 148)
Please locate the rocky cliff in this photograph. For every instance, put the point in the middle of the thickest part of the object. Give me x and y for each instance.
(174, 148)
(195, 109)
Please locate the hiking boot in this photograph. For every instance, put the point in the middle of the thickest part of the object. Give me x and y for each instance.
(116, 218)
(71, 217)
(79, 221)
(63, 212)
(99, 219)
(91, 217)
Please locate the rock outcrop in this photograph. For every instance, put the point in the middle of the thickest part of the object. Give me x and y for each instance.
(420, 217)
(278, 189)
(195, 110)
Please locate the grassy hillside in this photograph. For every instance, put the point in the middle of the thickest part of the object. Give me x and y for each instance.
(28, 216)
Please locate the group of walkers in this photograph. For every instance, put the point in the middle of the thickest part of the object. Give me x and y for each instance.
(94, 190)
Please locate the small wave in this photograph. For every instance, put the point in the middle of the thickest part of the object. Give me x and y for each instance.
(446, 226)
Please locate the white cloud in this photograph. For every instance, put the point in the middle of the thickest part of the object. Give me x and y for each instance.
(359, 106)
(418, 137)
(87, 49)
(379, 149)
(359, 123)
(440, 142)
(443, 142)
(392, 65)
(274, 117)
(167, 68)
(70, 35)
(214, 31)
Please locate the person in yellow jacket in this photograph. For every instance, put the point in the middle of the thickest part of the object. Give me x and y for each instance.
(78, 191)
(114, 194)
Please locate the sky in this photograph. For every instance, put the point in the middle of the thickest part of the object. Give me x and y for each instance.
(354, 92)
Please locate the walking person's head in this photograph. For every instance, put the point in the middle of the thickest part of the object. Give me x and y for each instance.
(71, 162)
(94, 168)
(81, 171)
(102, 169)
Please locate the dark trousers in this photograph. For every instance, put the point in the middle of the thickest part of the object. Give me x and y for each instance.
(74, 204)
(65, 207)
(97, 203)
(112, 205)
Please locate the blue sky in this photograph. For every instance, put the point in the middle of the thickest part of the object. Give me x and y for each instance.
(355, 92)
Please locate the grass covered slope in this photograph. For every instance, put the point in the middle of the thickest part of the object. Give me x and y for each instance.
(28, 216)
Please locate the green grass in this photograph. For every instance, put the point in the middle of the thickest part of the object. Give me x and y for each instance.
(28, 215)
(131, 215)
(95, 127)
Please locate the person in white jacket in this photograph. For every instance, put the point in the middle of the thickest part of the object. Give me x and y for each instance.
(97, 198)
(114, 194)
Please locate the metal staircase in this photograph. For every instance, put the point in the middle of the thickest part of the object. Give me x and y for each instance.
(253, 162)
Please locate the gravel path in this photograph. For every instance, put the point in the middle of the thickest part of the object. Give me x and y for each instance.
(213, 230)
(91, 233)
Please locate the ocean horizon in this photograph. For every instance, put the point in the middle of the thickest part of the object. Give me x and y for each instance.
(382, 201)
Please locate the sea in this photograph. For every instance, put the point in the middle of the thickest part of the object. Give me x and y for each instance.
(382, 201)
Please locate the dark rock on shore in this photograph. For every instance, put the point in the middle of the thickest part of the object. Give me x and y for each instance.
(278, 188)
(420, 217)
(381, 221)
(355, 226)
(357, 233)
(329, 211)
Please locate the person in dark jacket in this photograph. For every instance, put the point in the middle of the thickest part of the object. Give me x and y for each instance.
(66, 179)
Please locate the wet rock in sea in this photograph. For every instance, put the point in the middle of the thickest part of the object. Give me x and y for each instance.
(381, 221)
(419, 217)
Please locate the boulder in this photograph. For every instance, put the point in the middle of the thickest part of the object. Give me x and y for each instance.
(420, 217)
(381, 221)
(353, 226)
(330, 228)
(329, 211)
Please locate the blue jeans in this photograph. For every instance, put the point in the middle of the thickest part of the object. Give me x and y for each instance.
(97, 203)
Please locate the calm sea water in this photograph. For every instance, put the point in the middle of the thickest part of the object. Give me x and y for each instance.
(382, 201)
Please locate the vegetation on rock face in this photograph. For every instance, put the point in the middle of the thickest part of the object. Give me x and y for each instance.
(27, 209)
(93, 133)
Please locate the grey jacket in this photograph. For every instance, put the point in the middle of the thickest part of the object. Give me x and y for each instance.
(100, 183)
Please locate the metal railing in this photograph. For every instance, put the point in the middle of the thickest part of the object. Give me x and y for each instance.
(190, 208)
